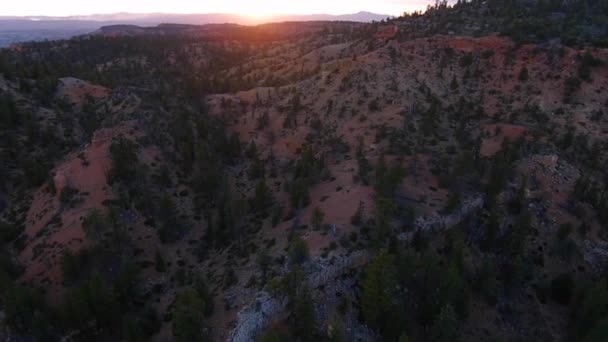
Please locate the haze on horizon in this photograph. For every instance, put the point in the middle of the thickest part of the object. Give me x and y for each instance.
(257, 8)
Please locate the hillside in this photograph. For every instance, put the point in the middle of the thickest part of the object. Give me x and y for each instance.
(435, 177)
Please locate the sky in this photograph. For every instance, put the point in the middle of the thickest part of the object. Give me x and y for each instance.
(244, 7)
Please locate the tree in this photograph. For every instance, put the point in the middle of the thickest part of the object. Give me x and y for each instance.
(94, 225)
(404, 338)
(381, 175)
(263, 198)
(387, 179)
(303, 320)
(75, 265)
(171, 228)
(374, 105)
(257, 168)
(239, 208)
(562, 288)
(592, 309)
(492, 229)
(486, 283)
(454, 83)
(159, 262)
(336, 331)
(93, 305)
(523, 74)
(466, 60)
(264, 260)
(364, 166)
(378, 291)
(25, 312)
(598, 333)
(131, 329)
(188, 317)
(308, 167)
(317, 218)
(385, 208)
(436, 286)
(273, 335)
(298, 251)
(200, 285)
(299, 194)
(357, 218)
(446, 327)
(124, 160)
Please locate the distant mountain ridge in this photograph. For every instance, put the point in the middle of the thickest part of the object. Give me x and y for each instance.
(197, 18)
(231, 32)
(19, 29)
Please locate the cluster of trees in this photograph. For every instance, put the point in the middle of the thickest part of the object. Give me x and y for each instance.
(98, 304)
(404, 290)
(575, 22)
(594, 192)
(191, 307)
(29, 148)
(577, 146)
(125, 161)
(294, 287)
(308, 170)
(386, 184)
(43, 62)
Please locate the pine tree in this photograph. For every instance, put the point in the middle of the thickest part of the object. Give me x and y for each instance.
(188, 317)
(379, 286)
(303, 321)
(263, 198)
(317, 218)
(446, 327)
(523, 74)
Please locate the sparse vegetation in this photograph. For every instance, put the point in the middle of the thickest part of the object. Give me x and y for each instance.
(394, 180)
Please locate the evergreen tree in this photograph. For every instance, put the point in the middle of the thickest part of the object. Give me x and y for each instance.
(446, 326)
(303, 320)
(378, 291)
(317, 218)
(188, 317)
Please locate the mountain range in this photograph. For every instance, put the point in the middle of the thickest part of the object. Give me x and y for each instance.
(15, 29)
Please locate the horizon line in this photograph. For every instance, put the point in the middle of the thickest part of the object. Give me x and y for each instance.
(196, 13)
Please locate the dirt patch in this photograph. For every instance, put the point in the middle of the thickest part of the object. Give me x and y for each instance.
(498, 134)
(77, 92)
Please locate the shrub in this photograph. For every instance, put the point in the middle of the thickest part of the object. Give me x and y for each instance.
(25, 313)
(75, 265)
(94, 225)
(124, 160)
(374, 105)
(377, 297)
(298, 250)
(523, 74)
(466, 60)
(317, 218)
(571, 86)
(159, 262)
(188, 317)
(273, 335)
(446, 327)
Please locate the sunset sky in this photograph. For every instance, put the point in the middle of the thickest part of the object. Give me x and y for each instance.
(244, 7)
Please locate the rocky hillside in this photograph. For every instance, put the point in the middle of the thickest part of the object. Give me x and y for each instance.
(300, 181)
